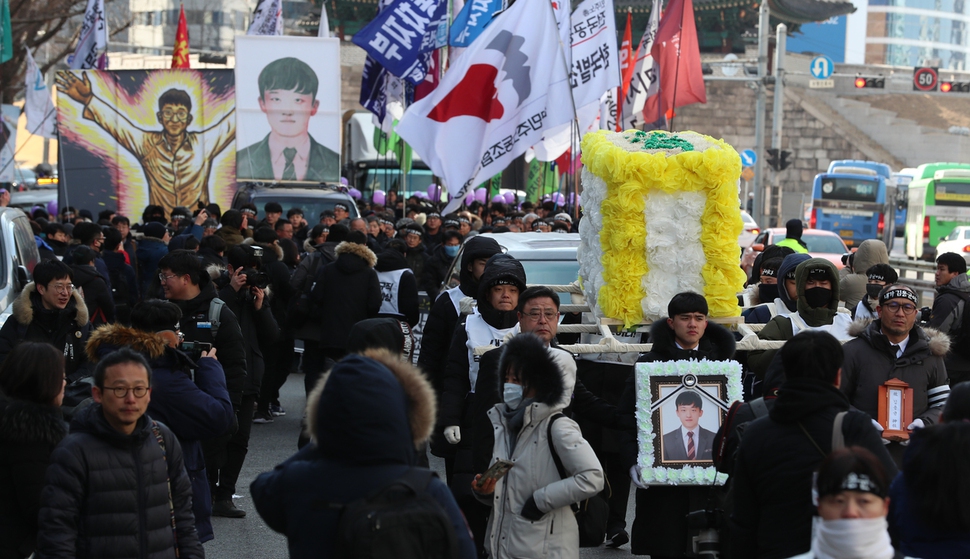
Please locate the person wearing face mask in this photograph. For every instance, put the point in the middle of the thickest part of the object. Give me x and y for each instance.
(785, 300)
(877, 276)
(817, 304)
(530, 513)
(439, 262)
(851, 489)
(762, 295)
(772, 476)
(493, 318)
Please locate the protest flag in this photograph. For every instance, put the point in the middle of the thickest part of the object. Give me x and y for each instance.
(644, 82)
(93, 39)
(678, 55)
(180, 54)
(268, 18)
(508, 87)
(38, 106)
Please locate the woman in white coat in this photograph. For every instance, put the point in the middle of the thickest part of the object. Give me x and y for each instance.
(531, 514)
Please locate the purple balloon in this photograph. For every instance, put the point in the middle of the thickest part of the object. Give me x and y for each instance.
(52, 208)
(509, 197)
(344, 181)
(498, 199)
(481, 195)
(469, 198)
(579, 199)
(560, 199)
(378, 197)
(434, 192)
(354, 193)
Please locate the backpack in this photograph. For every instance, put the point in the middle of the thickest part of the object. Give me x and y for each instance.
(591, 514)
(119, 286)
(725, 458)
(215, 315)
(400, 520)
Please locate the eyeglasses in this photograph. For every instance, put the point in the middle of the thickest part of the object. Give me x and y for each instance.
(62, 288)
(122, 392)
(163, 278)
(908, 308)
(169, 114)
(534, 316)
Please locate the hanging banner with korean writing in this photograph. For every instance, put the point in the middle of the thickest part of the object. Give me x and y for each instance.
(497, 100)
(403, 35)
(93, 39)
(644, 83)
(594, 58)
(472, 20)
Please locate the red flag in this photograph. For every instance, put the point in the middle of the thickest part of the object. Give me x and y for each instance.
(626, 67)
(180, 55)
(679, 57)
(431, 80)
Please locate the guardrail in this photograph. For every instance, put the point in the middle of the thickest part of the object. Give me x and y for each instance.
(918, 274)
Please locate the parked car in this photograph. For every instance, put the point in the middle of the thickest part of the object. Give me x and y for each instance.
(821, 244)
(751, 230)
(311, 199)
(548, 258)
(18, 256)
(27, 199)
(957, 241)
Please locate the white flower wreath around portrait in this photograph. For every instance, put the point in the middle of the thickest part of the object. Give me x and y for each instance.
(689, 371)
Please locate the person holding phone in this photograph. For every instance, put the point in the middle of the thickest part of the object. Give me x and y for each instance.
(530, 514)
(188, 395)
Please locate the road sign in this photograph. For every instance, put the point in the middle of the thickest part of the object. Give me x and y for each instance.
(747, 174)
(926, 79)
(730, 69)
(748, 158)
(821, 67)
(821, 84)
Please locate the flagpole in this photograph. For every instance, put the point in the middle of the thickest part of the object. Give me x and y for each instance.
(680, 41)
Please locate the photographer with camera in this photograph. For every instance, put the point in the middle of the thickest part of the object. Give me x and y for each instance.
(245, 295)
(207, 319)
(189, 392)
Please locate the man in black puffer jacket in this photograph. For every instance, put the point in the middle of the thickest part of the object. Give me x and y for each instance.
(399, 287)
(109, 482)
(772, 477)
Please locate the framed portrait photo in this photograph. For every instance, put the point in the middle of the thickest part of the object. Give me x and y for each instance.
(680, 407)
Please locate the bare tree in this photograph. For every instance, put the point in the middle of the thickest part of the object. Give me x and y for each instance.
(34, 23)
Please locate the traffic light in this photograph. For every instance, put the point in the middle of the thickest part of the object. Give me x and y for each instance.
(955, 87)
(863, 82)
(778, 159)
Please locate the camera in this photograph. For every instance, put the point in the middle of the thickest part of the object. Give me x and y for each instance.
(195, 349)
(706, 543)
(847, 259)
(924, 315)
(255, 278)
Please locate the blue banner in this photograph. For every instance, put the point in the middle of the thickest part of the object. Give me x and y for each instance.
(472, 20)
(403, 35)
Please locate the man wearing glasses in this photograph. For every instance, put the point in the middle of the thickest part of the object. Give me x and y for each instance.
(49, 310)
(176, 162)
(894, 346)
(117, 485)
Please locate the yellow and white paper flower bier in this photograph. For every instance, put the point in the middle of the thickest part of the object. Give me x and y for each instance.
(663, 217)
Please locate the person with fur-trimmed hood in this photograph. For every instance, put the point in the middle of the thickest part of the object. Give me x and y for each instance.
(367, 417)
(817, 285)
(685, 334)
(894, 346)
(50, 310)
(530, 506)
(189, 396)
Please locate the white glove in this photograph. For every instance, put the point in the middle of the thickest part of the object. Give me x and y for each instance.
(878, 427)
(453, 434)
(916, 424)
(635, 477)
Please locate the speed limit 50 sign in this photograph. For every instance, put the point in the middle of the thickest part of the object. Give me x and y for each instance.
(926, 79)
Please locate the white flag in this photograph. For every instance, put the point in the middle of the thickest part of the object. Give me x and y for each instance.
(324, 29)
(645, 82)
(267, 19)
(93, 39)
(595, 67)
(507, 88)
(38, 106)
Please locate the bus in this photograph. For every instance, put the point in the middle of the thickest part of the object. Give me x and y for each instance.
(856, 201)
(903, 178)
(939, 200)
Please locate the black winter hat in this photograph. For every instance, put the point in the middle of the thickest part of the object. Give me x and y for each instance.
(154, 229)
(501, 269)
(794, 229)
(382, 333)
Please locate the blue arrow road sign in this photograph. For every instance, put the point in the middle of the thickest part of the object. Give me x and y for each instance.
(749, 158)
(821, 67)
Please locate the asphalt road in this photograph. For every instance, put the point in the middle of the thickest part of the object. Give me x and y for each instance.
(270, 444)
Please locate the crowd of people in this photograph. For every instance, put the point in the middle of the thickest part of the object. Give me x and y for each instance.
(136, 363)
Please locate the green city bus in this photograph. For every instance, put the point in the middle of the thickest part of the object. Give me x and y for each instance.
(939, 200)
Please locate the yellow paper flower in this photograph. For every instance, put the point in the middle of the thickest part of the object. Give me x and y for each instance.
(632, 176)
